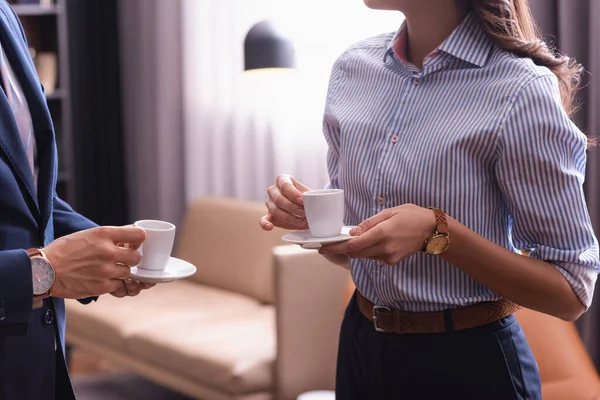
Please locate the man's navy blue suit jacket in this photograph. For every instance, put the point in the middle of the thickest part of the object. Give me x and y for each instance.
(30, 367)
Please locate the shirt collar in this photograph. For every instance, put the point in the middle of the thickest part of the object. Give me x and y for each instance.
(468, 42)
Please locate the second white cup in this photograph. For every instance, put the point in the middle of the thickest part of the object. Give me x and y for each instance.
(324, 212)
(156, 249)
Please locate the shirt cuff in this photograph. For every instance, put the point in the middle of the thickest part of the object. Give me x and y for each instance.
(582, 284)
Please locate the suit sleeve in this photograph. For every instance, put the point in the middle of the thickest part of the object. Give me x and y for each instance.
(16, 292)
(67, 221)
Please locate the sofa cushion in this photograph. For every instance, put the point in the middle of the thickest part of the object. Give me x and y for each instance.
(232, 353)
(223, 239)
(111, 320)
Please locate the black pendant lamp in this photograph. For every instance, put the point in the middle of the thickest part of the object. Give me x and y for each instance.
(266, 47)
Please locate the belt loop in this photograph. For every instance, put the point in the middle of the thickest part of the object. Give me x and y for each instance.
(448, 321)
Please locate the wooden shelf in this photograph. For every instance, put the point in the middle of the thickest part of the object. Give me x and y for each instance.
(28, 10)
(47, 30)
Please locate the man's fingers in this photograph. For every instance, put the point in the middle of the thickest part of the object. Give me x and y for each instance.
(118, 271)
(116, 285)
(120, 292)
(127, 256)
(133, 287)
(131, 235)
(145, 286)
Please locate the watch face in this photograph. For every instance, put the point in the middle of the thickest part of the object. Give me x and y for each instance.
(438, 244)
(43, 275)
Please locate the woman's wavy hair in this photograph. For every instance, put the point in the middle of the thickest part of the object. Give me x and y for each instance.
(511, 25)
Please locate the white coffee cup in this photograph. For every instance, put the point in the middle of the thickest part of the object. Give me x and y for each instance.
(324, 212)
(156, 249)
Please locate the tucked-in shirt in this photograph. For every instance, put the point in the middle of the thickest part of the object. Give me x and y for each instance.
(479, 133)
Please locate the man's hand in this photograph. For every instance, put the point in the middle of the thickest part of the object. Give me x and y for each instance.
(131, 288)
(90, 263)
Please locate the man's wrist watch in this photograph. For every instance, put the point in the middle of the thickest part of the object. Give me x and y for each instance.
(439, 241)
(43, 274)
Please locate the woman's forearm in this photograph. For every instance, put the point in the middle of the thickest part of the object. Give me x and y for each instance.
(526, 281)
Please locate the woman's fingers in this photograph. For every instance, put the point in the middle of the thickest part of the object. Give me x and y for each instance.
(284, 202)
(285, 205)
(282, 218)
(265, 222)
(288, 187)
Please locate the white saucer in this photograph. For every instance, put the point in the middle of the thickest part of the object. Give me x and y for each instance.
(175, 269)
(306, 240)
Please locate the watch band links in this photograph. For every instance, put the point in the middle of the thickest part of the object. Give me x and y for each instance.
(440, 220)
(441, 227)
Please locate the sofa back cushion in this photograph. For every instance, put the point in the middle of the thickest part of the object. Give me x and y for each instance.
(223, 239)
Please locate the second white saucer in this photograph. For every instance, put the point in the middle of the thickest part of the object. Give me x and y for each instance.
(175, 269)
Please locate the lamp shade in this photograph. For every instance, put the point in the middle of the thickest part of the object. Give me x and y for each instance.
(266, 47)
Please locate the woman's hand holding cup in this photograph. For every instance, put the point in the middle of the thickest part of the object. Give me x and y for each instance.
(285, 205)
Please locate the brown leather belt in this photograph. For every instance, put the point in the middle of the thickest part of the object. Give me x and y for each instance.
(395, 321)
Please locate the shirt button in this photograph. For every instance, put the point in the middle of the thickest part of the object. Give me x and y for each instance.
(380, 263)
(394, 139)
(2, 311)
(417, 81)
(380, 200)
(49, 317)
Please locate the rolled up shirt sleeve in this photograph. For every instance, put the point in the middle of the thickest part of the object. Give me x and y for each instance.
(331, 127)
(540, 170)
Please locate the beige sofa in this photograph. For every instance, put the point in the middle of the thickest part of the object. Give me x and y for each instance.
(259, 320)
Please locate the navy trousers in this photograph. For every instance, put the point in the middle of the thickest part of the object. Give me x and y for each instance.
(493, 361)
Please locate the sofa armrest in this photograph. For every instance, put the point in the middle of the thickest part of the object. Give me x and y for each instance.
(309, 292)
(584, 388)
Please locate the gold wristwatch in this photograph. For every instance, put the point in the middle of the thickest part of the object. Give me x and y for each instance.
(43, 275)
(439, 241)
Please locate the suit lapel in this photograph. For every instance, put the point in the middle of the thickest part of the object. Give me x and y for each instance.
(23, 67)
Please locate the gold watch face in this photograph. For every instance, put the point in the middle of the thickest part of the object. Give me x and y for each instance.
(438, 244)
(42, 274)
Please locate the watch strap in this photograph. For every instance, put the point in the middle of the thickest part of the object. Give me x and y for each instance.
(33, 252)
(440, 220)
(441, 228)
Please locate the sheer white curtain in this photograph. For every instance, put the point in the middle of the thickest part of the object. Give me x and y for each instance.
(242, 129)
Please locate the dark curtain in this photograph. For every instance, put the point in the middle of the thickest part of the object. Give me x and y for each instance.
(96, 101)
(572, 25)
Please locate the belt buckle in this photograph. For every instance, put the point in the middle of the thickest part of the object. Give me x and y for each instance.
(380, 309)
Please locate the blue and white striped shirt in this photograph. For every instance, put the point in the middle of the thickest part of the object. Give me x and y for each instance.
(479, 133)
